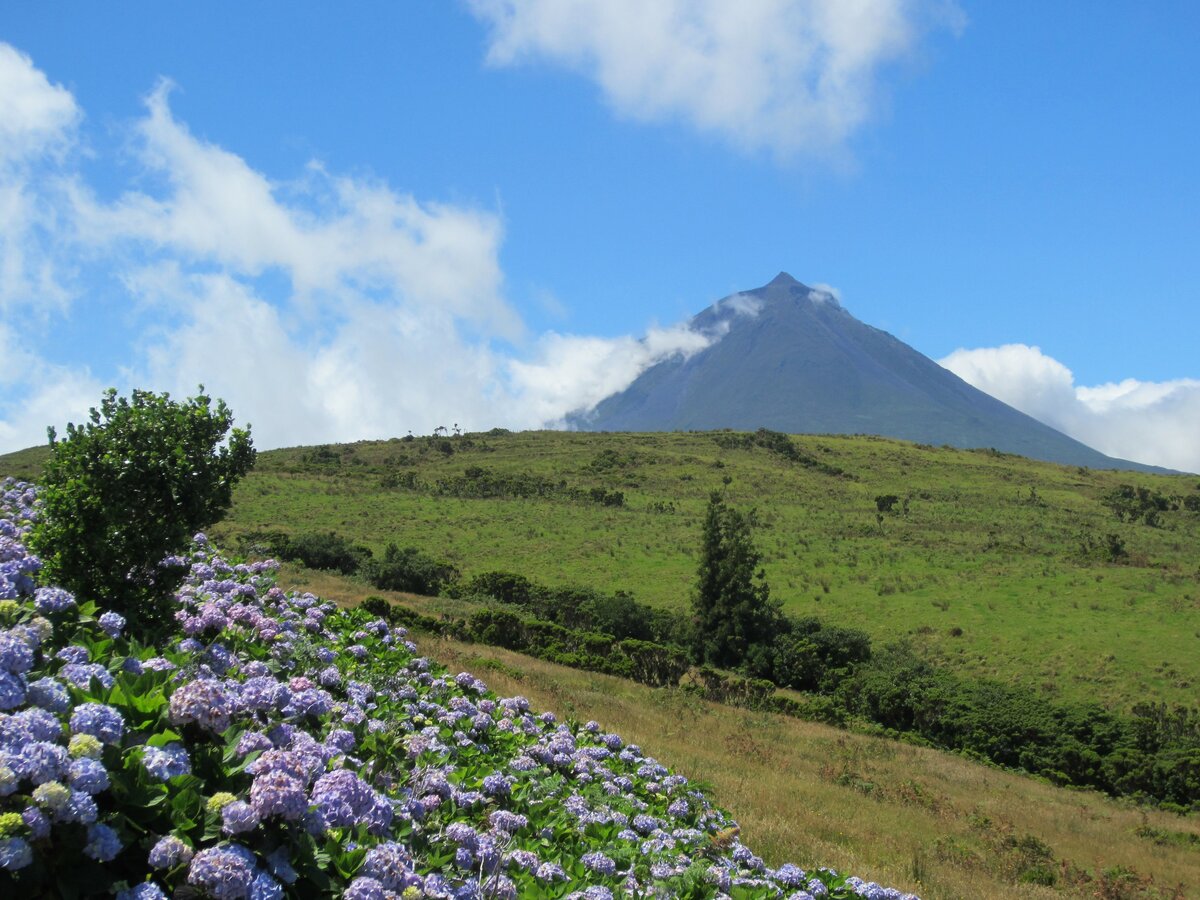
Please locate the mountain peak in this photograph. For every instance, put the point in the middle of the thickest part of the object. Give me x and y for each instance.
(789, 357)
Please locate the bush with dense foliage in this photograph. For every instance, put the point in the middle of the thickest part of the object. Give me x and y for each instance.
(129, 487)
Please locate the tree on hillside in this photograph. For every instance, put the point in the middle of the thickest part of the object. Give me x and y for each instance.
(129, 488)
(735, 620)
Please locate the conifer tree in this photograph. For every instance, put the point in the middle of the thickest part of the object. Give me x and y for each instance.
(735, 620)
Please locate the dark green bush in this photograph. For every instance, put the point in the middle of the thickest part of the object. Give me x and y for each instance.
(129, 488)
(409, 570)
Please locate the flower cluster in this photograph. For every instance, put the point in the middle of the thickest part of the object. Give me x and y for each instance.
(283, 747)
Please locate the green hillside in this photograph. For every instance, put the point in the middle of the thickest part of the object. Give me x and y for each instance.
(986, 563)
(993, 564)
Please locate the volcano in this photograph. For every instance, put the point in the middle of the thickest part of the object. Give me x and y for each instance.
(790, 358)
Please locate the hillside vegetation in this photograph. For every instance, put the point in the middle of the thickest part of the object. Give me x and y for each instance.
(930, 822)
(994, 565)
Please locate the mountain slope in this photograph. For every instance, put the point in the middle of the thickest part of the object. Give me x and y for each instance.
(790, 358)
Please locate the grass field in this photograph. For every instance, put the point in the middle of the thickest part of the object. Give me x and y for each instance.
(930, 822)
(997, 568)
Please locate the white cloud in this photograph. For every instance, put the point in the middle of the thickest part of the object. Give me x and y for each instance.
(37, 127)
(40, 393)
(787, 75)
(825, 293)
(741, 305)
(1150, 422)
(329, 234)
(572, 373)
(35, 115)
(390, 314)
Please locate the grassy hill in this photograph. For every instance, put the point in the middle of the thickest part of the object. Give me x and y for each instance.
(929, 822)
(995, 565)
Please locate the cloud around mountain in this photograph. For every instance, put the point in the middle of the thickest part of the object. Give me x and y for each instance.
(1153, 422)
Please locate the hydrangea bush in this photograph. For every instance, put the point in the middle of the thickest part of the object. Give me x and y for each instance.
(280, 747)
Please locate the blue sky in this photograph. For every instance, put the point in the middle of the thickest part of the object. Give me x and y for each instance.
(389, 217)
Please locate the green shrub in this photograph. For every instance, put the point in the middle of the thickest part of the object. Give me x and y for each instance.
(409, 570)
(129, 488)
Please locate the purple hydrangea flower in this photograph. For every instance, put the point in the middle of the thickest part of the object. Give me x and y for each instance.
(239, 817)
(392, 865)
(364, 888)
(251, 741)
(508, 822)
(170, 852)
(343, 799)
(551, 872)
(225, 871)
(278, 793)
(203, 701)
(599, 863)
(497, 785)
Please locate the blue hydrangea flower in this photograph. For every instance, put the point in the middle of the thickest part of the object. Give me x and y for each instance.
(101, 721)
(12, 690)
(15, 853)
(16, 656)
(103, 843)
(39, 762)
(111, 623)
(37, 823)
(80, 808)
(167, 762)
(147, 890)
(53, 600)
(88, 775)
(81, 675)
(264, 887)
(49, 694)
